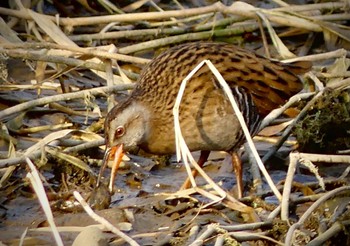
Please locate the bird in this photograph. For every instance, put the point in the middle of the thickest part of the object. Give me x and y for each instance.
(208, 122)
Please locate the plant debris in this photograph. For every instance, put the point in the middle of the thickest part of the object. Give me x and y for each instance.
(63, 64)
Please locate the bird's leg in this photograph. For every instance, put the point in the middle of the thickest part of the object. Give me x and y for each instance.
(202, 159)
(237, 168)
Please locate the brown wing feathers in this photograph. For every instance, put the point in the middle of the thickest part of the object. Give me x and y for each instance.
(270, 83)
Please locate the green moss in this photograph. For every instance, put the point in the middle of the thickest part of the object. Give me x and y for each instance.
(326, 128)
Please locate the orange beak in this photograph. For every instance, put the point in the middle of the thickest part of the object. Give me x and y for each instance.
(115, 154)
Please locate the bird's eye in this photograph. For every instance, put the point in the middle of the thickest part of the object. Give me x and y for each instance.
(119, 131)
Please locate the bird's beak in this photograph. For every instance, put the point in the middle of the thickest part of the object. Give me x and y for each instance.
(116, 154)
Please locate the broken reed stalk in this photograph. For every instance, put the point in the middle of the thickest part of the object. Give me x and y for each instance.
(103, 221)
(38, 187)
(216, 7)
(67, 96)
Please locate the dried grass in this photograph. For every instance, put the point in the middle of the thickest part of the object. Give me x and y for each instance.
(56, 49)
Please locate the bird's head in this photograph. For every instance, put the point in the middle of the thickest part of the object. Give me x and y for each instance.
(126, 127)
(127, 124)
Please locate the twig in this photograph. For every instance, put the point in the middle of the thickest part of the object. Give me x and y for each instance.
(249, 226)
(310, 7)
(340, 85)
(56, 153)
(95, 51)
(319, 57)
(281, 3)
(165, 41)
(37, 56)
(23, 236)
(40, 192)
(220, 240)
(134, 17)
(274, 114)
(337, 227)
(274, 213)
(35, 150)
(179, 23)
(68, 96)
(103, 221)
(345, 173)
(293, 160)
(131, 17)
(288, 130)
(333, 17)
(211, 228)
(254, 169)
(304, 199)
(36, 154)
(69, 111)
(249, 236)
(312, 208)
(192, 234)
(18, 160)
(87, 145)
(157, 32)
